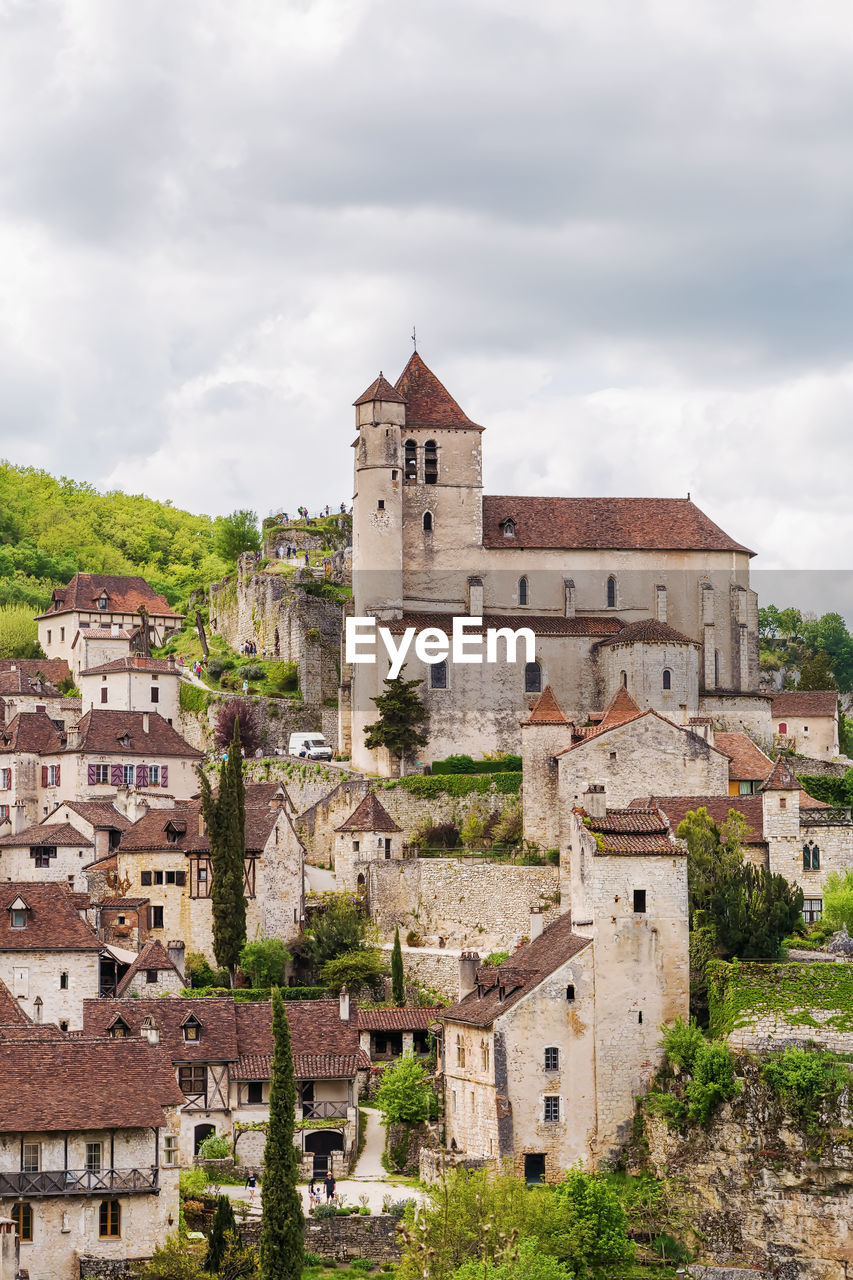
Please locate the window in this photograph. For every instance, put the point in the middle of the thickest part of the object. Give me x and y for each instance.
(410, 463)
(61, 633)
(192, 1029)
(31, 1157)
(570, 992)
(811, 856)
(49, 634)
(460, 1051)
(154, 775)
(534, 1166)
(193, 1079)
(552, 1109)
(105, 694)
(623, 679)
(746, 788)
(151, 975)
(485, 1054)
(805, 728)
(102, 773)
(127, 773)
(158, 877)
(639, 901)
(430, 462)
(812, 910)
(640, 1016)
(783, 728)
(93, 1157)
(22, 1216)
(63, 1024)
(155, 693)
(522, 591)
(438, 675)
(102, 603)
(145, 877)
(532, 678)
(611, 592)
(427, 522)
(5, 779)
(155, 917)
(508, 528)
(552, 1059)
(19, 918)
(783, 803)
(119, 1030)
(254, 1093)
(42, 857)
(380, 506)
(63, 980)
(109, 1219)
(667, 679)
(170, 1150)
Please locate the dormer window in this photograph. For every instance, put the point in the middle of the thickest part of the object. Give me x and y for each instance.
(508, 528)
(192, 1030)
(18, 912)
(119, 1029)
(102, 602)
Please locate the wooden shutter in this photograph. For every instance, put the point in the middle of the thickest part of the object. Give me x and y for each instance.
(58, 772)
(181, 878)
(142, 775)
(116, 775)
(44, 775)
(92, 773)
(164, 775)
(145, 878)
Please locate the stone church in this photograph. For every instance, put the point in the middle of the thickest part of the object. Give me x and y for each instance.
(646, 594)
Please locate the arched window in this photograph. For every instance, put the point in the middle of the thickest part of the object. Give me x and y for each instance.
(522, 591)
(667, 679)
(430, 462)
(508, 528)
(438, 675)
(427, 522)
(811, 856)
(532, 678)
(109, 1218)
(611, 592)
(410, 467)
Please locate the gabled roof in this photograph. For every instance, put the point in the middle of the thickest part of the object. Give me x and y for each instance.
(677, 807)
(56, 835)
(31, 686)
(397, 1019)
(428, 402)
(124, 595)
(544, 624)
(55, 670)
(370, 815)
(503, 985)
(134, 662)
(53, 922)
(781, 778)
(747, 762)
(546, 709)
(30, 733)
(380, 389)
(181, 821)
(56, 1082)
(103, 731)
(104, 633)
(99, 814)
(152, 956)
(648, 631)
(218, 1039)
(634, 831)
(621, 709)
(805, 702)
(607, 524)
(11, 1013)
(323, 1046)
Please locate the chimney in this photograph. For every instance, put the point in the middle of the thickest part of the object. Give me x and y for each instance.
(537, 923)
(595, 800)
(72, 736)
(145, 719)
(175, 950)
(18, 816)
(202, 825)
(116, 627)
(468, 964)
(344, 1003)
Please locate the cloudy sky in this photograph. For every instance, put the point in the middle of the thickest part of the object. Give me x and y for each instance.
(623, 230)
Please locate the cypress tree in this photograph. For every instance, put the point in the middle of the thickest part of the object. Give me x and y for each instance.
(282, 1245)
(400, 713)
(223, 1222)
(225, 815)
(398, 983)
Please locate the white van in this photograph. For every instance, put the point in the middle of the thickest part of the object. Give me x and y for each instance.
(309, 745)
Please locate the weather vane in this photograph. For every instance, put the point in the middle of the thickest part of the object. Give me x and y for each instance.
(414, 338)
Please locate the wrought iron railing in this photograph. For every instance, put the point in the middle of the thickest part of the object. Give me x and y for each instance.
(78, 1182)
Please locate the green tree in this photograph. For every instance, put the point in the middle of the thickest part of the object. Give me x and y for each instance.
(597, 1226)
(355, 970)
(816, 672)
(790, 624)
(524, 1261)
(768, 622)
(829, 635)
(751, 911)
(712, 852)
(403, 1092)
(282, 1223)
(242, 711)
(225, 815)
(18, 633)
(264, 961)
(838, 901)
(401, 712)
(223, 1223)
(237, 533)
(398, 980)
(342, 927)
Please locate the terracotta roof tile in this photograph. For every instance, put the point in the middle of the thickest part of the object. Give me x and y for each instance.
(380, 389)
(323, 1046)
(634, 831)
(747, 762)
(152, 956)
(781, 778)
(55, 670)
(181, 822)
(805, 702)
(631, 524)
(428, 403)
(648, 631)
(370, 815)
(19, 682)
(124, 595)
(98, 813)
(546, 710)
(217, 1041)
(621, 709)
(53, 922)
(53, 836)
(102, 732)
(134, 662)
(397, 1019)
(546, 624)
(30, 733)
(718, 807)
(11, 1013)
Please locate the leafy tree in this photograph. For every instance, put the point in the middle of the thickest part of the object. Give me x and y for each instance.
(790, 623)
(711, 853)
(816, 672)
(237, 533)
(751, 911)
(225, 815)
(806, 1080)
(282, 1246)
(233, 711)
(356, 970)
(342, 927)
(398, 980)
(223, 1223)
(264, 961)
(400, 713)
(597, 1226)
(403, 1093)
(768, 622)
(713, 1082)
(829, 635)
(18, 633)
(838, 901)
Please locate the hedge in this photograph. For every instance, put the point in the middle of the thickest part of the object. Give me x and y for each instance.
(464, 764)
(192, 698)
(458, 785)
(835, 791)
(253, 994)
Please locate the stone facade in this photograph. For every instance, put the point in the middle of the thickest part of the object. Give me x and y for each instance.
(50, 986)
(132, 690)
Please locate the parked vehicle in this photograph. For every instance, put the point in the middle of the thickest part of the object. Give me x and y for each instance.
(309, 745)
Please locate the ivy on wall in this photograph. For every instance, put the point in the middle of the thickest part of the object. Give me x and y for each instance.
(739, 993)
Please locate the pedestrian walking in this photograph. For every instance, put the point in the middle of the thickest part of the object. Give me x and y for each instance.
(329, 1184)
(252, 1184)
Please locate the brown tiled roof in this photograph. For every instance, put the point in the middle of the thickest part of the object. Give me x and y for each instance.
(56, 670)
(544, 624)
(805, 702)
(11, 1013)
(104, 633)
(747, 762)
(30, 733)
(380, 389)
(125, 595)
(718, 807)
(780, 778)
(323, 1046)
(397, 1019)
(809, 802)
(218, 1039)
(152, 956)
(631, 524)
(133, 662)
(546, 709)
(53, 836)
(648, 631)
(122, 904)
(150, 831)
(524, 970)
(634, 831)
(428, 403)
(101, 732)
(55, 1083)
(52, 920)
(18, 682)
(98, 813)
(253, 1066)
(370, 815)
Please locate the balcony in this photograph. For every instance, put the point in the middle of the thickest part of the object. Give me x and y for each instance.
(79, 1182)
(324, 1110)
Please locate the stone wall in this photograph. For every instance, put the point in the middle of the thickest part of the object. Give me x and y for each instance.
(431, 967)
(373, 1236)
(278, 718)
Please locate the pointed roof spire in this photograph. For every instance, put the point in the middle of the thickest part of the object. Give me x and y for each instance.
(380, 389)
(780, 778)
(428, 402)
(370, 815)
(546, 709)
(620, 709)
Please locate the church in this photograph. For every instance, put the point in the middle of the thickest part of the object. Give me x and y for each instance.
(645, 594)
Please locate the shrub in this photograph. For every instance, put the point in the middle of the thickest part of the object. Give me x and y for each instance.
(250, 731)
(253, 671)
(193, 1183)
(313, 1259)
(403, 1093)
(668, 1106)
(413, 938)
(442, 835)
(509, 829)
(806, 1080)
(191, 698)
(681, 1043)
(175, 1259)
(713, 1081)
(215, 1147)
(264, 961)
(324, 1211)
(495, 958)
(217, 664)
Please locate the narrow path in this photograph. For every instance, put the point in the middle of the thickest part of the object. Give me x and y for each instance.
(369, 1167)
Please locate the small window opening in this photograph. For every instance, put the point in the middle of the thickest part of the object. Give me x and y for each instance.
(570, 992)
(532, 678)
(611, 592)
(639, 900)
(410, 464)
(427, 522)
(430, 462)
(438, 675)
(667, 679)
(380, 506)
(522, 591)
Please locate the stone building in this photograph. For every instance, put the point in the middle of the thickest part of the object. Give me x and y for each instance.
(50, 957)
(21, 690)
(428, 545)
(57, 851)
(544, 1055)
(133, 683)
(806, 721)
(368, 835)
(152, 973)
(387, 1034)
(87, 1169)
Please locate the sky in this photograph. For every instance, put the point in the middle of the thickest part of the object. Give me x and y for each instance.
(622, 230)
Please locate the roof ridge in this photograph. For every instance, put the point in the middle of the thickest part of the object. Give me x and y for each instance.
(546, 709)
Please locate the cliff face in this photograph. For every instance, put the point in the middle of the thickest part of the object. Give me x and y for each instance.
(762, 1191)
